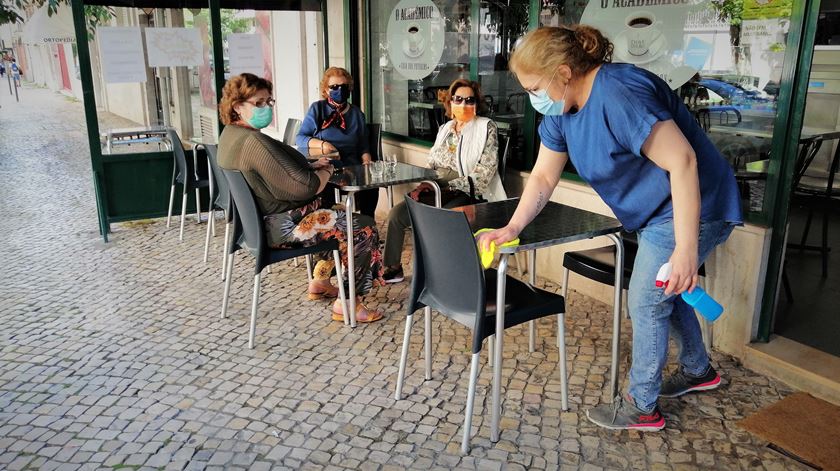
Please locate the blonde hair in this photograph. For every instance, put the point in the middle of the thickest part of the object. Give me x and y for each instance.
(237, 90)
(334, 72)
(580, 47)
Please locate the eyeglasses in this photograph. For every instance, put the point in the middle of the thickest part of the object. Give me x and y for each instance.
(336, 86)
(262, 103)
(467, 100)
(532, 90)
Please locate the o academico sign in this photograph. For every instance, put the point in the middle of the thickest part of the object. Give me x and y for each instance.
(415, 38)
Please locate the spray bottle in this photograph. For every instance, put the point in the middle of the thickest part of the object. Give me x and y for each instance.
(699, 299)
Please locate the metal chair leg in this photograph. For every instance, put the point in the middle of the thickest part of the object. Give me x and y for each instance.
(308, 259)
(226, 295)
(207, 238)
(564, 377)
(491, 343)
(465, 441)
(532, 280)
(427, 337)
(564, 291)
(255, 303)
(403, 356)
(225, 249)
(340, 278)
(171, 201)
(183, 215)
(197, 206)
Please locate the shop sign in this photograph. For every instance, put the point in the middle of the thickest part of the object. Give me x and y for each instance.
(652, 34)
(415, 38)
(246, 54)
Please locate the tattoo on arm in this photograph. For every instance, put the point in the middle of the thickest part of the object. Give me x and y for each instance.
(540, 203)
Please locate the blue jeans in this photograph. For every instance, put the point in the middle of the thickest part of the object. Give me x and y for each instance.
(654, 315)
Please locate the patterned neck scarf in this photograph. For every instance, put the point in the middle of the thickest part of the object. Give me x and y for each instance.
(336, 116)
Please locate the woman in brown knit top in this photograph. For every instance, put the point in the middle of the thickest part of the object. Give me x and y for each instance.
(287, 189)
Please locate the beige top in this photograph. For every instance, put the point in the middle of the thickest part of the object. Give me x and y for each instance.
(280, 177)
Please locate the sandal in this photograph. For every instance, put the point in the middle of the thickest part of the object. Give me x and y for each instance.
(331, 292)
(363, 315)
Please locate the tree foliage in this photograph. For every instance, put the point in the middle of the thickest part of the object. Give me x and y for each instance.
(94, 15)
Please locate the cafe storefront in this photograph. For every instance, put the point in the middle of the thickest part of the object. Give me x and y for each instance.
(741, 67)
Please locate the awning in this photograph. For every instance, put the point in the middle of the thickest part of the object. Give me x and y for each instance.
(45, 29)
(277, 5)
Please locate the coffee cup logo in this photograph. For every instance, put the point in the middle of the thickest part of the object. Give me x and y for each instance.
(641, 32)
(414, 45)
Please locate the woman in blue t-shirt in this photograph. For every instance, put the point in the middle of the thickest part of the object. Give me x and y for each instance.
(333, 124)
(632, 139)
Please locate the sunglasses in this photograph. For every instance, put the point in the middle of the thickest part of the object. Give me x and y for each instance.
(467, 100)
(262, 103)
(336, 86)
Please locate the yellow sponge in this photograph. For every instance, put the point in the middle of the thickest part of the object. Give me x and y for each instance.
(488, 255)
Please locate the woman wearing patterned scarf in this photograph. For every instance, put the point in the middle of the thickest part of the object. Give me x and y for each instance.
(333, 124)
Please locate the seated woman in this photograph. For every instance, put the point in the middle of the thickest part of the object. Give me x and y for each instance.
(333, 124)
(465, 155)
(286, 188)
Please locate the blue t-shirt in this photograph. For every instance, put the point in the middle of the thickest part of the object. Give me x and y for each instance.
(604, 141)
(351, 142)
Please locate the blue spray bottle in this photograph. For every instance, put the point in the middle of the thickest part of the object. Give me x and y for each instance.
(699, 299)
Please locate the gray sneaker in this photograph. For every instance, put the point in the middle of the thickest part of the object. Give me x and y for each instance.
(623, 414)
(680, 383)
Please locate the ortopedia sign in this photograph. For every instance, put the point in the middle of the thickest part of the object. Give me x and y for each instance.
(415, 38)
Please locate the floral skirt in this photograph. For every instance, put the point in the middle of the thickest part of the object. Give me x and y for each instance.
(310, 225)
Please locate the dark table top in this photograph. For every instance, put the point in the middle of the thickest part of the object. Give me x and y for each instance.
(358, 177)
(556, 223)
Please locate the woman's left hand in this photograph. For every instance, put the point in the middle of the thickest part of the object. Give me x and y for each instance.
(683, 271)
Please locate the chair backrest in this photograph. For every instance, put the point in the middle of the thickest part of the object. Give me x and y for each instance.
(447, 273)
(375, 140)
(220, 183)
(249, 231)
(504, 150)
(808, 153)
(516, 102)
(290, 133)
(180, 156)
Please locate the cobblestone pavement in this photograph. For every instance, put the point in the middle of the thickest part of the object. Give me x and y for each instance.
(114, 356)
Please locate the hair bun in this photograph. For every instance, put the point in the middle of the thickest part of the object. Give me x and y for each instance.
(593, 43)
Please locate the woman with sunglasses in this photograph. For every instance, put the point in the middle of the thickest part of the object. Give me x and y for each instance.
(333, 124)
(465, 155)
(634, 141)
(286, 187)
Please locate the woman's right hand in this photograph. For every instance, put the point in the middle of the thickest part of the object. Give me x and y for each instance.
(499, 236)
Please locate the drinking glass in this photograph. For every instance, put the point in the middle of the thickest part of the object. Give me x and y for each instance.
(377, 168)
(391, 163)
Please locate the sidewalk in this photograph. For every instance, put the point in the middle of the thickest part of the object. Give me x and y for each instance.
(114, 355)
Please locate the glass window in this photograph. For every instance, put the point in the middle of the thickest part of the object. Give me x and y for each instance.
(413, 64)
(501, 26)
(723, 58)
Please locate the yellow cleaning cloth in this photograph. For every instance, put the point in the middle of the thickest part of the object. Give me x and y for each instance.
(487, 255)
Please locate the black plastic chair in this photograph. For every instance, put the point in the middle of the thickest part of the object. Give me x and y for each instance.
(599, 265)
(189, 180)
(448, 278)
(220, 200)
(249, 234)
(291, 131)
(816, 190)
